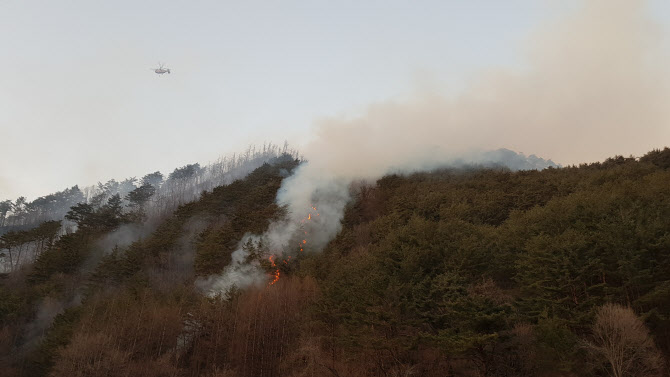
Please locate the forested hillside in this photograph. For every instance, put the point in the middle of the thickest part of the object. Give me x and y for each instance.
(168, 191)
(466, 271)
(148, 199)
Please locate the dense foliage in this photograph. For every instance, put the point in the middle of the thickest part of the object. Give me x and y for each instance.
(455, 272)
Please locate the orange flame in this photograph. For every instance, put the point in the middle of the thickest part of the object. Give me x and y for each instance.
(276, 273)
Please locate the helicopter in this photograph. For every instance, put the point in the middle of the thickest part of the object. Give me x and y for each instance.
(161, 70)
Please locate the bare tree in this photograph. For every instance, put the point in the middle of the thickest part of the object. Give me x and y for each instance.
(622, 344)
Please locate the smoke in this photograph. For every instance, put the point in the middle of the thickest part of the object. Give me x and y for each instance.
(182, 257)
(46, 311)
(595, 86)
(123, 236)
(239, 273)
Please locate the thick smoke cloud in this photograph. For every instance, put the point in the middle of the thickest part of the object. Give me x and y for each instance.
(596, 85)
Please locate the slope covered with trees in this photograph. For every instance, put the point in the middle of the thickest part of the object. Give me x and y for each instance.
(454, 272)
(146, 200)
(156, 193)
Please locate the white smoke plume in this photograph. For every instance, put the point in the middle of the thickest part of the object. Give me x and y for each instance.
(239, 273)
(596, 85)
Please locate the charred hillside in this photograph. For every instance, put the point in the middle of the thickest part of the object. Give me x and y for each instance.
(464, 271)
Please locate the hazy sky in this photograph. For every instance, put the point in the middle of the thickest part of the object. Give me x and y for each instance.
(79, 103)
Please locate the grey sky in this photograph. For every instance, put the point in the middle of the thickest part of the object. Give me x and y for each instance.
(79, 104)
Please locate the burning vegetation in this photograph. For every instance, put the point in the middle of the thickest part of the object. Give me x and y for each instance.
(305, 223)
